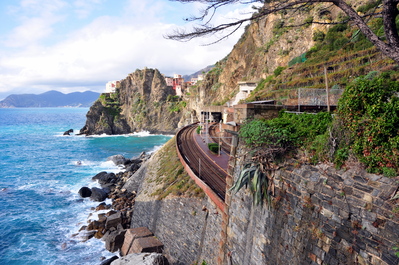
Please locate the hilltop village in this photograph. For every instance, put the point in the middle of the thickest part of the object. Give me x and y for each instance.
(177, 82)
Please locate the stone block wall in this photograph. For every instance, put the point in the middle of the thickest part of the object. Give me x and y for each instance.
(319, 216)
(189, 228)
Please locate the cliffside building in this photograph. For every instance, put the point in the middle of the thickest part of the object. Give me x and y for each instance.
(111, 86)
(177, 82)
(246, 87)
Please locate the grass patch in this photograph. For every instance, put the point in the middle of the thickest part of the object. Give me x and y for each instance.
(171, 175)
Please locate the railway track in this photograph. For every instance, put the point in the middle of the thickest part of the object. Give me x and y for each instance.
(200, 163)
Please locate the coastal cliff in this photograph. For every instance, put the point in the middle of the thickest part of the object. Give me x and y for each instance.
(317, 215)
(143, 101)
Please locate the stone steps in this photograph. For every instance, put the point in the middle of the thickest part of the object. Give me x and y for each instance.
(140, 240)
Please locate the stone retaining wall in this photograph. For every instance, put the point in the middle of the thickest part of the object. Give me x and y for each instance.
(188, 228)
(319, 216)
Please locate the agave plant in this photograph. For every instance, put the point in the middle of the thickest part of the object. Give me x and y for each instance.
(253, 177)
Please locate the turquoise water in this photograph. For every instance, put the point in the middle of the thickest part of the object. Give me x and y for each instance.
(40, 208)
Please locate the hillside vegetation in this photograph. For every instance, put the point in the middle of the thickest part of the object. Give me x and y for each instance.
(283, 59)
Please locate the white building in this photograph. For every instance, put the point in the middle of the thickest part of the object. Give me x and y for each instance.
(194, 81)
(179, 91)
(111, 86)
(169, 81)
(246, 88)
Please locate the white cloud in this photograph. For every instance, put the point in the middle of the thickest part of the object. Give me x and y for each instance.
(108, 48)
(36, 18)
(85, 7)
(29, 33)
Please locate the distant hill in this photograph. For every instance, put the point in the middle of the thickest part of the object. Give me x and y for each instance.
(200, 72)
(50, 99)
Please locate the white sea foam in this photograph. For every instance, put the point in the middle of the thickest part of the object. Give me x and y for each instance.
(135, 134)
(109, 135)
(155, 148)
(142, 134)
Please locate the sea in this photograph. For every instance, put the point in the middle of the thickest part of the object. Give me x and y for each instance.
(41, 172)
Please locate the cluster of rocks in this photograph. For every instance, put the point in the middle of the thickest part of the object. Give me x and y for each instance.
(114, 219)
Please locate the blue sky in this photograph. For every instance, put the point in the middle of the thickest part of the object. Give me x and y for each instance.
(79, 45)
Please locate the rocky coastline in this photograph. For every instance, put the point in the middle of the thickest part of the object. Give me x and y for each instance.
(110, 222)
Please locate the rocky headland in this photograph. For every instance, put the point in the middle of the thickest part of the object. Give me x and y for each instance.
(143, 101)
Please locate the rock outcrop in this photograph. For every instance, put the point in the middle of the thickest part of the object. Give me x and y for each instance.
(143, 101)
(101, 119)
(68, 132)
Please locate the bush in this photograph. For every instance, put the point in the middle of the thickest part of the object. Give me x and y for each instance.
(339, 27)
(278, 70)
(368, 6)
(286, 131)
(213, 147)
(318, 36)
(369, 110)
(309, 20)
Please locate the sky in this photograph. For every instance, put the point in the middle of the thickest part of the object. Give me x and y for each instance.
(80, 45)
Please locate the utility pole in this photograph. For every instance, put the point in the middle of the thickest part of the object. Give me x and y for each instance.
(327, 89)
(220, 135)
(199, 167)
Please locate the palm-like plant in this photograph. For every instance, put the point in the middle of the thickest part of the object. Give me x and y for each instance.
(253, 177)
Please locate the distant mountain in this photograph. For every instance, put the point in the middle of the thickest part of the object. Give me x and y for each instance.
(50, 99)
(200, 72)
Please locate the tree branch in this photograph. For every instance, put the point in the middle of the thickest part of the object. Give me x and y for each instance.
(389, 13)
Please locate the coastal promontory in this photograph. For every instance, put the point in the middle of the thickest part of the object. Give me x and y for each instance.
(142, 101)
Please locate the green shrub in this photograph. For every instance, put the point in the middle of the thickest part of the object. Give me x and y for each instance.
(318, 36)
(278, 70)
(309, 20)
(252, 177)
(288, 130)
(278, 27)
(369, 110)
(213, 147)
(368, 6)
(341, 155)
(339, 27)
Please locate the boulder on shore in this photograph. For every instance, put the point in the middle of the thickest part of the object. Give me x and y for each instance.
(117, 159)
(104, 178)
(98, 194)
(85, 192)
(109, 261)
